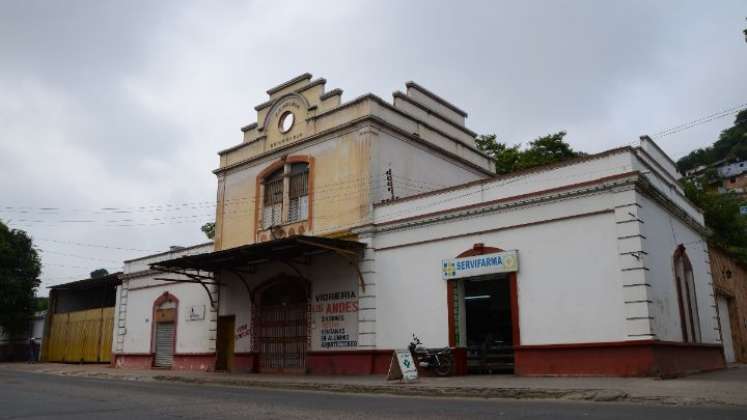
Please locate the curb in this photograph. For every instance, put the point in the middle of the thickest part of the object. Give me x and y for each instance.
(414, 390)
(594, 395)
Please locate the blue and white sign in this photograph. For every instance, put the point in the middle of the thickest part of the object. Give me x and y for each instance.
(478, 265)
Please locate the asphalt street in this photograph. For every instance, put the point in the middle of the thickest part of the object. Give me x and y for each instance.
(36, 396)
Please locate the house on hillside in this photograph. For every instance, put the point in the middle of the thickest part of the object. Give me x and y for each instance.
(342, 228)
(734, 178)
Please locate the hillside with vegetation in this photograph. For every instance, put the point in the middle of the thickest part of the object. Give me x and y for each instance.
(721, 209)
(730, 146)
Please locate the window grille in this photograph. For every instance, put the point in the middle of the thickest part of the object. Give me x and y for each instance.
(298, 207)
(273, 201)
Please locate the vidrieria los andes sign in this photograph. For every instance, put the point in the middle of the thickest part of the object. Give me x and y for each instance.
(478, 265)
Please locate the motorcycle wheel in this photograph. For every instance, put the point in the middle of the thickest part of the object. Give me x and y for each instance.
(444, 367)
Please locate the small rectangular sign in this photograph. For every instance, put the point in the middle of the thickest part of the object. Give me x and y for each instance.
(402, 366)
(478, 265)
(196, 313)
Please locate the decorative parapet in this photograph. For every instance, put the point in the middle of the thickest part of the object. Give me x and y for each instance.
(418, 115)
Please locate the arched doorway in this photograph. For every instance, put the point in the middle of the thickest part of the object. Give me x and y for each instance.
(281, 325)
(686, 296)
(164, 330)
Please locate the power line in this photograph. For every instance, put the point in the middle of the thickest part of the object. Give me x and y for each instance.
(330, 186)
(196, 205)
(94, 245)
(77, 266)
(699, 121)
(46, 251)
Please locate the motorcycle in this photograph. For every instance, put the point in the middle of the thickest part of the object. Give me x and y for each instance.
(439, 360)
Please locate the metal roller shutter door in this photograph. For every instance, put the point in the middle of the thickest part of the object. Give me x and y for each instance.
(164, 344)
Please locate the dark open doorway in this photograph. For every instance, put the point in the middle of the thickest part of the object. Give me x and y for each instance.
(489, 327)
(225, 343)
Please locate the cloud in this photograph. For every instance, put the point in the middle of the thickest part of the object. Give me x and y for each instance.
(123, 106)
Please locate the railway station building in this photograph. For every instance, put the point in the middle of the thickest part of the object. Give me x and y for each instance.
(343, 228)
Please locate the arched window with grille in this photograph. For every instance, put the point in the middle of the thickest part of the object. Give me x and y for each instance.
(285, 194)
(272, 201)
(686, 296)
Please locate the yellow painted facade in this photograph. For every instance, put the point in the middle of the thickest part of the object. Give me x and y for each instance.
(339, 143)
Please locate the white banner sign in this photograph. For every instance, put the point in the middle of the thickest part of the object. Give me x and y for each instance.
(478, 265)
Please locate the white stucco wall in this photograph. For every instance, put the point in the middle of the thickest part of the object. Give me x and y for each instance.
(415, 169)
(504, 187)
(586, 239)
(133, 326)
(664, 233)
(565, 295)
(191, 336)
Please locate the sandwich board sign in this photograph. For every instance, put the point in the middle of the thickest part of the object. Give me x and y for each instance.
(402, 366)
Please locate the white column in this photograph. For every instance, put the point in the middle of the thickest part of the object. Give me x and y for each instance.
(632, 258)
(367, 297)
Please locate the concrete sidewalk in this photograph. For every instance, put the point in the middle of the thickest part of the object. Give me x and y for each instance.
(722, 387)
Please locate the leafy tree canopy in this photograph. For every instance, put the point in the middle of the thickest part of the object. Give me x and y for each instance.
(20, 267)
(721, 213)
(101, 272)
(208, 229)
(541, 151)
(731, 145)
(41, 303)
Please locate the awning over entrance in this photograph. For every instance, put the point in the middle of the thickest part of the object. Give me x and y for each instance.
(290, 251)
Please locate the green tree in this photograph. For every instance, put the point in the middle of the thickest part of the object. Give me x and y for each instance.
(19, 277)
(208, 229)
(545, 150)
(41, 303)
(541, 151)
(721, 212)
(98, 273)
(505, 156)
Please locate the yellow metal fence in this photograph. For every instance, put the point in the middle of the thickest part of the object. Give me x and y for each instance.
(81, 336)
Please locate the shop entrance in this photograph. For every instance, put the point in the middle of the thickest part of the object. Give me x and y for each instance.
(281, 324)
(488, 325)
(225, 343)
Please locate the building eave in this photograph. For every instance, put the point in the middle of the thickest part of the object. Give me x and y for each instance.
(516, 174)
(533, 197)
(367, 118)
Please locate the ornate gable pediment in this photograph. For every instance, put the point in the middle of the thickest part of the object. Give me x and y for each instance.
(285, 117)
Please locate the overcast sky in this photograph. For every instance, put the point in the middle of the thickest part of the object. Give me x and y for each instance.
(111, 113)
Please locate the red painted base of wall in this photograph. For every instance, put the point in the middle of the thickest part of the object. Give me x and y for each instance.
(132, 361)
(460, 361)
(626, 358)
(245, 362)
(353, 362)
(199, 361)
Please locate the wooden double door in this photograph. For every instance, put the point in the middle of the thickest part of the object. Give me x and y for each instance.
(281, 323)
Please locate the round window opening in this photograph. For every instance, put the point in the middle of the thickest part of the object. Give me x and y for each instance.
(286, 122)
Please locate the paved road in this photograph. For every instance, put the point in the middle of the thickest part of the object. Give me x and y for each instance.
(33, 396)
